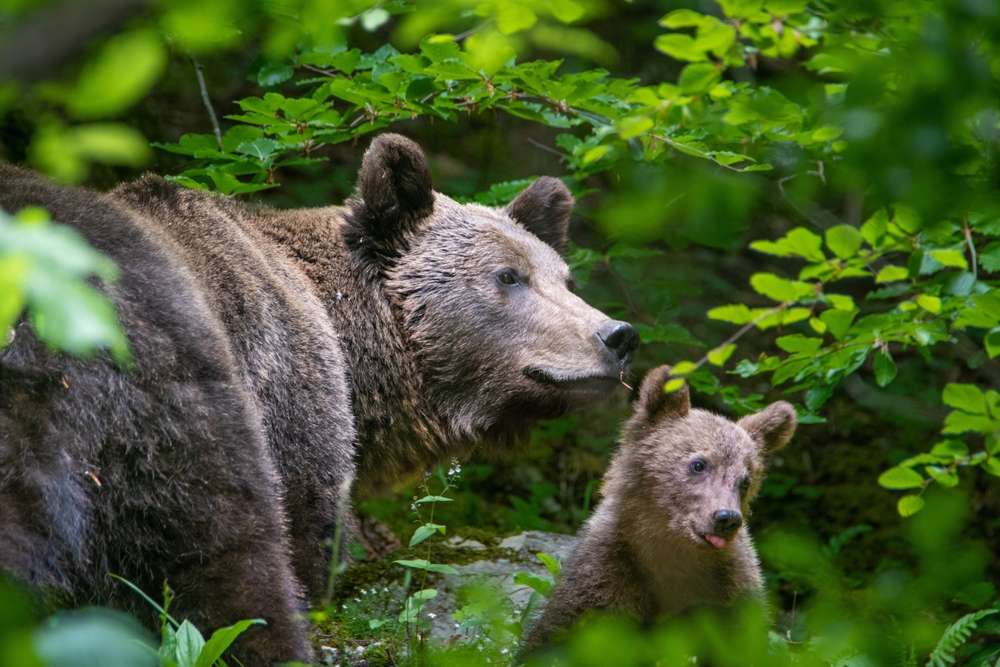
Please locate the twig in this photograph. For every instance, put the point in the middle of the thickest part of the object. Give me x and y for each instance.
(471, 31)
(972, 250)
(332, 73)
(562, 156)
(671, 142)
(745, 328)
(206, 100)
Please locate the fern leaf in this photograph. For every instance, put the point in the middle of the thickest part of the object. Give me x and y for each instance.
(957, 634)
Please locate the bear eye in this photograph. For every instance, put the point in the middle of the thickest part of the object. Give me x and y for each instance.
(698, 465)
(507, 277)
(744, 485)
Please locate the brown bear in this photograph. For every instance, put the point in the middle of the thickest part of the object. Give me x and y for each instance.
(280, 356)
(669, 532)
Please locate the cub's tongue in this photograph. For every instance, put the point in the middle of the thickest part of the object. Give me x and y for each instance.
(716, 541)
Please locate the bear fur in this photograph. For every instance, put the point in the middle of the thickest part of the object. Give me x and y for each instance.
(280, 357)
(668, 533)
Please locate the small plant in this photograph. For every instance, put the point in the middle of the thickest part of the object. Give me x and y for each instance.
(409, 616)
(182, 644)
(540, 587)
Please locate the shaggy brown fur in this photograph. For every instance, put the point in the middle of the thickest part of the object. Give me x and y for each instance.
(279, 356)
(668, 533)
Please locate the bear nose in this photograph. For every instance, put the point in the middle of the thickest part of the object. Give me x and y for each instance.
(727, 522)
(619, 337)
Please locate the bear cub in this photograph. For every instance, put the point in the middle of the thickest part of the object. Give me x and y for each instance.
(669, 533)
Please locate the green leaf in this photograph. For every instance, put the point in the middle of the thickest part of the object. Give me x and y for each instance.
(992, 343)
(899, 478)
(840, 301)
(874, 228)
(683, 368)
(443, 569)
(686, 18)
(929, 303)
(950, 258)
(891, 274)
(374, 18)
(634, 126)
(673, 385)
(440, 47)
(992, 466)
(433, 499)
(119, 76)
(487, 51)
(800, 242)
(908, 219)
(698, 78)
(540, 584)
(418, 564)
(961, 422)
(234, 136)
(797, 343)
(720, 355)
(950, 448)
(989, 258)
(681, 47)
(779, 289)
(189, 645)
(220, 641)
(273, 74)
(259, 148)
(844, 240)
(967, 397)
(425, 531)
(736, 313)
(909, 505)
(838, 321)
(885, 368)
(827, 133)
(550, 563)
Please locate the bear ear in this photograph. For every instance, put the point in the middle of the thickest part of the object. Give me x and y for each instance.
(772, 427)
(543, 209)
(393, 193)
(658, 404)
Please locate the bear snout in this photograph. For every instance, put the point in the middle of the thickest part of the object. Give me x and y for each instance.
(726, 523)
(620, 338)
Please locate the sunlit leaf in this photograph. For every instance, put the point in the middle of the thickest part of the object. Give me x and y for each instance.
(901, 478)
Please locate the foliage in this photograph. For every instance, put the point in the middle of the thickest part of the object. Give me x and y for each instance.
(44, 270)
(858, 139)
(182, 644)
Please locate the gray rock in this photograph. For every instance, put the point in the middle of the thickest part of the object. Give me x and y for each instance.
(497, 573)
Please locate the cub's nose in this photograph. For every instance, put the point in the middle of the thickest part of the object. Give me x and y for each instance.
(727, 522)
(619, 337)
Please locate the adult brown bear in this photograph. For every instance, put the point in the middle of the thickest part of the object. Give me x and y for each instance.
(280, 355)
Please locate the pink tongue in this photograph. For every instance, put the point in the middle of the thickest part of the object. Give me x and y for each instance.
(716, 541)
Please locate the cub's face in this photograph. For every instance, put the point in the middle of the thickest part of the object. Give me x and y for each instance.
(484, 297)
(700, 469)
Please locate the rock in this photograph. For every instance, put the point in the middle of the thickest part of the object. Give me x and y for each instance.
(457, 542)
(498, 572)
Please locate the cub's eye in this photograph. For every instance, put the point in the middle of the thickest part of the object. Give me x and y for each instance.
(744, 485)
(507, 277)
(697, 465)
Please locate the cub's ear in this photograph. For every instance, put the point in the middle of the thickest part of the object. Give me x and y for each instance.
(543, 209)
(393, 193)
(772, 427)
(656, 403)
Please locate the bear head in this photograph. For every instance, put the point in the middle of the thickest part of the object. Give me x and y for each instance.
(483, 297)
(697, 472)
